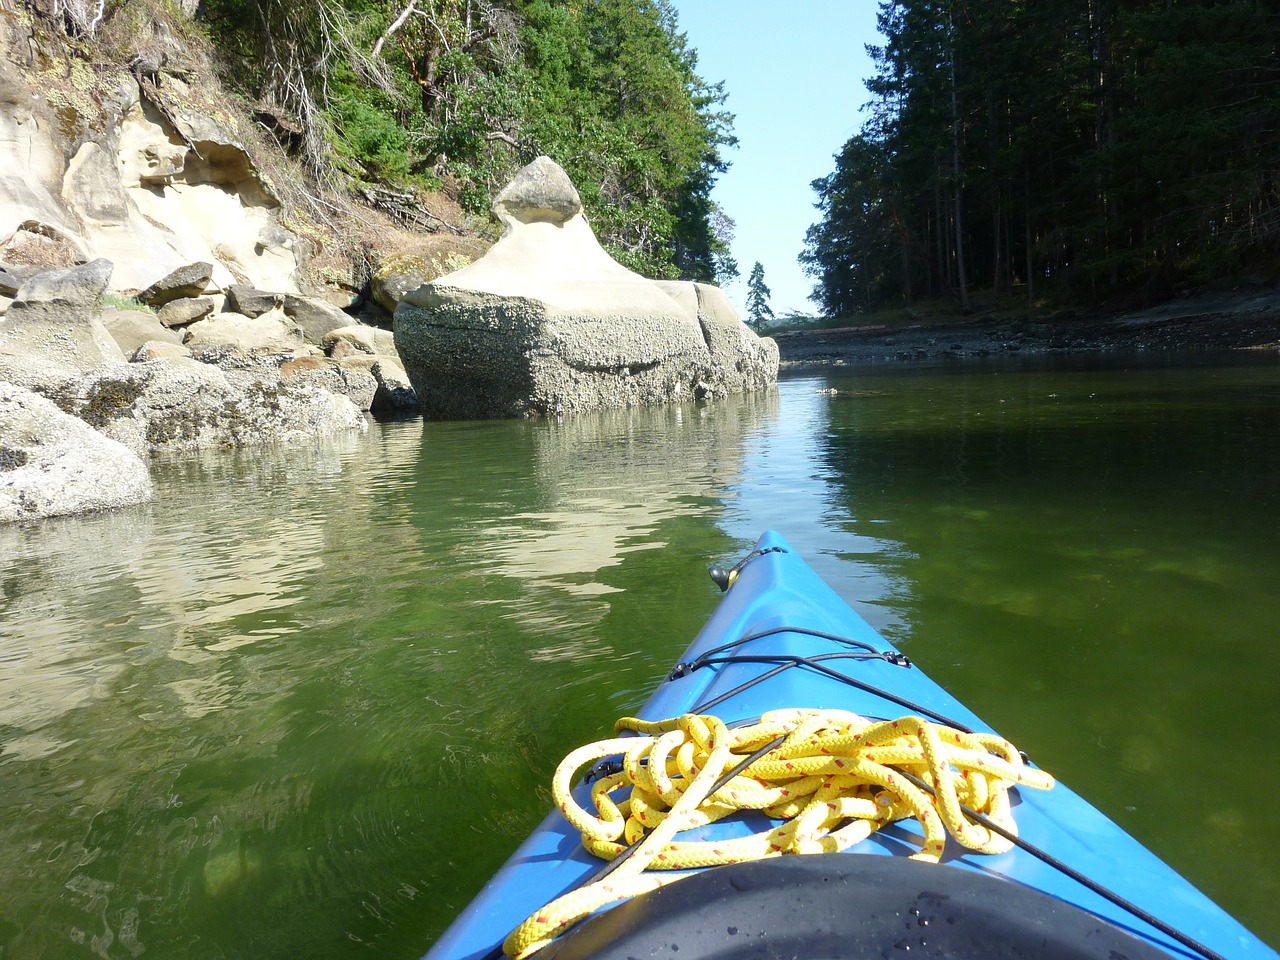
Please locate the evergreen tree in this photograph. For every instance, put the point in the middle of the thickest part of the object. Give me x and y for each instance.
(758, 293)
(467, 91)
(1073, 148)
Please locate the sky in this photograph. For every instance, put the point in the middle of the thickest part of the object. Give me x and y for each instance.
(795, 77)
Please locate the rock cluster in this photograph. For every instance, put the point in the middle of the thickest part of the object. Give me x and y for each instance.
(548, 322)
(87, 394)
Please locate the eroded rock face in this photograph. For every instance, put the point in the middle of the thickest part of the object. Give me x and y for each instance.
(113, 175)
(52, 463)
(547, 322)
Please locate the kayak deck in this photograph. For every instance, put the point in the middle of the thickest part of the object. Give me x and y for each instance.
(788, 615)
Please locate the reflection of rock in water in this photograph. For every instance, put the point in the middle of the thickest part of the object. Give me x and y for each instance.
(50, 575)
(605, 481)
(234, 540)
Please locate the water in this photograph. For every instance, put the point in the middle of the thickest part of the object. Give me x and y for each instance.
(306, 701)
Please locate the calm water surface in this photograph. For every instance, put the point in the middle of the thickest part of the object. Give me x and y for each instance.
(305, 702)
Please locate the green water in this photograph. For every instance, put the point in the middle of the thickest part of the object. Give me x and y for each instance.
(305, 702)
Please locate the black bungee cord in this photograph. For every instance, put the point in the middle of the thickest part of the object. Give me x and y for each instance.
(862, 651)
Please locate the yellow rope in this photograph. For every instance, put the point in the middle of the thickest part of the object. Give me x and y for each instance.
(833, 781)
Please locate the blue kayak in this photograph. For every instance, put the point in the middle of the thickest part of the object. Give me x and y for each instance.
(1074, 885)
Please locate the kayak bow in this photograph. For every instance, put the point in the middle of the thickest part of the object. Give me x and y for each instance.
(1071, 884)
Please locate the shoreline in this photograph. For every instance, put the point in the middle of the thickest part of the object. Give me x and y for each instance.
(1240, 322)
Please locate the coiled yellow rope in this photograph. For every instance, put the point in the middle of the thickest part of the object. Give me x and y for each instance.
(834, 780)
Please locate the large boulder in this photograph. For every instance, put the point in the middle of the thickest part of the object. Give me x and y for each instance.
(548, 322)
(183, 404)
(184, 311)
(52, 463)
(132, 328)
(189, 280)
(55, 317)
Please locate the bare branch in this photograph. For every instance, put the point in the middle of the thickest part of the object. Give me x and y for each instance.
(396, 24)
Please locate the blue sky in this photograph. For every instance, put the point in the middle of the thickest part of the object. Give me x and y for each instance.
(794, 73)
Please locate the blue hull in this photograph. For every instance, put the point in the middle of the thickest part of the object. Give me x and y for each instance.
(777, 589)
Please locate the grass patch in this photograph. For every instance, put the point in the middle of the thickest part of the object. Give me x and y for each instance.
(121, 302)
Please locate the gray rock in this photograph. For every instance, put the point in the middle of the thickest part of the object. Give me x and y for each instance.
(389, 287)
(35, 373)
(741, 361)
(364, 338)
(341, 349)
(54, 317)
(9, 283)
(187, 281)
(358, 386)
(314, 317)
(182, 404)
(541, 191)
(547, 322)
(159, 350)
(250, 301)
(53, 464)
(242, 366)
(130, 329)
(75, 288)
(265, 331)
(394, 391)
(185, 311)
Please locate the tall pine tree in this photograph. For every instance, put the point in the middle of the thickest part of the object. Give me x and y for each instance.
(1100, 149)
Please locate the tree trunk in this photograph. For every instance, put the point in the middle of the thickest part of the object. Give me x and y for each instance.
(961, 283)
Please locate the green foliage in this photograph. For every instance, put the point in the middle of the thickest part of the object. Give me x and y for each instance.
(758, 293)
(119, 302)
(608, 89)
(370, 136)
(1107, 149)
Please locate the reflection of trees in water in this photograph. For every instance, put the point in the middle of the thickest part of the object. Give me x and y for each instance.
(1075, 543)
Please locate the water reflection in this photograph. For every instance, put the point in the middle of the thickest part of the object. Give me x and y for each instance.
(1091, 559)
(307, 700)
(241, 720)
(788, 483)
(602, 484)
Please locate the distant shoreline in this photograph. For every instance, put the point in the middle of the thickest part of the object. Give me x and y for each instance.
(1247, 321)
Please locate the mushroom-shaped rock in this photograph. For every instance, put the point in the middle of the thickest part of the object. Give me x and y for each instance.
(548, 322)
(542, 191)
